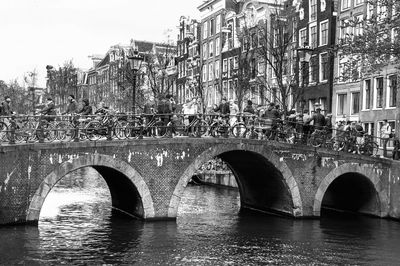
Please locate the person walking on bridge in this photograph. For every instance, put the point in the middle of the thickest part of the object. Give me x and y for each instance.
(386, 130)
(72, 106)
(6, 107)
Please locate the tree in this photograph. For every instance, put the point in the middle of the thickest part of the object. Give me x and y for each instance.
(246, 64)
(280, 77)
(371, 42)
(62, 82)
(156, 64)
(123, 81)
(19, 96)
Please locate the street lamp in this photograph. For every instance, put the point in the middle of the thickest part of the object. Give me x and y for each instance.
(304, 53)
(135, 61)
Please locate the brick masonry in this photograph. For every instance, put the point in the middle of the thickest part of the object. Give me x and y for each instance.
(160, 169)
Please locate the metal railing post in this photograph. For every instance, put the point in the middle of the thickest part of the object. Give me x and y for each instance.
(11, 139)
(76, 131)
(109, 131)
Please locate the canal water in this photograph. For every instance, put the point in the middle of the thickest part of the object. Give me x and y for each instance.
(76, 227)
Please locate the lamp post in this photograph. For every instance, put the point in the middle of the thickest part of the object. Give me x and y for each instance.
(303, 56)
(135, 61)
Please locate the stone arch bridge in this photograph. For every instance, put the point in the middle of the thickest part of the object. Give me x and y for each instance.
(147, 177)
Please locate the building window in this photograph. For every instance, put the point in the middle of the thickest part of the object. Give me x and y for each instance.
(345, 29)
(379, 92)
(217, 46)
(323, 33)
(392, 91)
(302, 37)
(323, 68)
(369, 128)
(211, 48)
(358, 29)
(276, 38)
(313, 69)
(205, 30)
(355, 103)
(204, 50)
(218, 23)
(217, 69)
(358, 2)
(230, 66)
(231, 91)
(204, 70)
(367, 94)
(341, 104)
(212, 29)
(294, 31)
(261, 68)
(313, 10)
(225, 65)
(346, 4)
(313, 36)
(224, 88)
(236, 62)
(210, 71)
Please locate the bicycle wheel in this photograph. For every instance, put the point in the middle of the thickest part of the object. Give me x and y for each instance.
(215, 130)
(49, 131)
(369, 148)
(338, 145)
(92, 130)
(251, 134)
(238, 130)
(132, 129)
(202, 128)
(315, 141)
(158, 130)
(30, 130)
(64, 131)
(119, 129)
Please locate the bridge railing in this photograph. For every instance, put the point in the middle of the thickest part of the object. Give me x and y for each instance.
(31, 129)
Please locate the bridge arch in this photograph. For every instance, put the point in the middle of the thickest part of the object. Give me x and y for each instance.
(129, 192)
(286, 194)
(357, 186)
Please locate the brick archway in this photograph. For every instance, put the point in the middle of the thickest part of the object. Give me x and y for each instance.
(261, 151)
(369, 173)
(93, 160)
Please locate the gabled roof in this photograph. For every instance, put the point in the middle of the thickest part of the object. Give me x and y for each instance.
(105, 61)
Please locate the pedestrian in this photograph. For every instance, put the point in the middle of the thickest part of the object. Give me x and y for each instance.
(234, 111)
(386, 131)
(172, 103)
(318, 119)
(306, 125)
(6, 107)
(223, 108)
(49, 110)
(248, 111)
(72, 106)
(86, 108)
(249, 108)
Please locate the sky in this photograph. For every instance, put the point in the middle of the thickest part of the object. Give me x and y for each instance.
(36, 33)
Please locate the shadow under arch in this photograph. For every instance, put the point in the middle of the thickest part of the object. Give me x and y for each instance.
(265, 183)
(129, 192)
(360, 186)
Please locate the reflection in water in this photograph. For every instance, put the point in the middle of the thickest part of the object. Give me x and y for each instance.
(76, 227)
